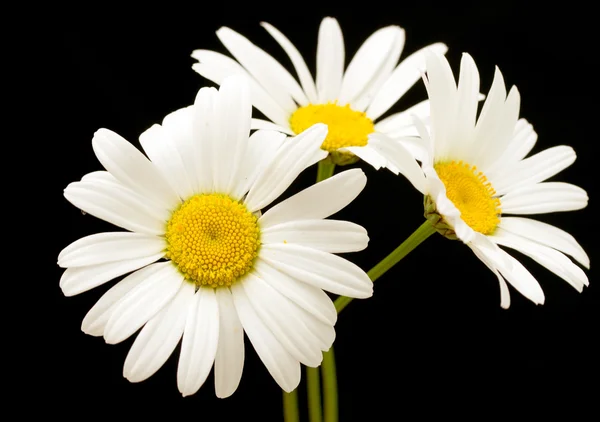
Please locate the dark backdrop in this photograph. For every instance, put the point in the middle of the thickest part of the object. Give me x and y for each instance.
(433, 339)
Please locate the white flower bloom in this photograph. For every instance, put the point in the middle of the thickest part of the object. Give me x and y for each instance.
(224, 268)
(349, 101)
(474, 175)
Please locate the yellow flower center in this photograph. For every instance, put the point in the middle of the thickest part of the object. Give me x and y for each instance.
(347, 128)
(470, 191)
(212, 239)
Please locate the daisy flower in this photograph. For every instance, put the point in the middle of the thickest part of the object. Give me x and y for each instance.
(480, 187)
(350, 101)
(205, 264)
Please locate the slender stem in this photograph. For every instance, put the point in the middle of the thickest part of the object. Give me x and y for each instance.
(290, 406)
(414, 240)
(325, 169)
(330, 392)
(313, 385)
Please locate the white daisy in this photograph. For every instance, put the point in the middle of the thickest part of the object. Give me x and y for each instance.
(349, 101)
(474, 174)
(223, 267)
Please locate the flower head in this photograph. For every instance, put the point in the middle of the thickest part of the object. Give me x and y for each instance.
(350, 101)
(205, 264)
(479, 185)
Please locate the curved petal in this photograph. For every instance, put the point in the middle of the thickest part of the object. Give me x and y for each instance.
(368, 154)
(100, 248)
(330, 60)
(401, 121)
(143, 302)
(200, 341)
(159, 337)
(266, 125)
(295, 155)
(229, 359)
(468, 99)
(317, 201)
(504, 292)
(128, 165)
(523, 140)
(321, 269)
(543, 198)
(81, 279)
(284, 369)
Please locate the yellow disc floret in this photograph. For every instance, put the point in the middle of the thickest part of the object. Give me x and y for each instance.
(471, 192)
(347, 128)
(212, 239)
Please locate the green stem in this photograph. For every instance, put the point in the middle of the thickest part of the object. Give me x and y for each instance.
(330, 393)
(325, 169)
(313, 385)
(290, 407)
(414, 240)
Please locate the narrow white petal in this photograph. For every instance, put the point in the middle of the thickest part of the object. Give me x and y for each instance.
(321, 269)
(404, 76)
(543, 198)
(547, 235)
(310, 298)
(332, 236)
(550, 258)
(81, 279)
(295, 155)
(100, 248)
(368, 61)
(95, 320)
(468, 100)
(118, 205)
(269, 73)
(534, 169)
(132, 168)
(308, 84)
(143, 302)
(330, 60)
(399, 121)
(266, 125)
(284, 369)
(200, 341)
(369, 155)
(163, 152)
(206, 132)
(319, 200)
(284, 319)
(159, 337)
(229, 359)
(261, 150)
(523, 140)
(216, 67)
(504, 292)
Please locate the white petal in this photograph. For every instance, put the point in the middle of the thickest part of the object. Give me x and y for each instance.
(261, 150)
(269, 73)
(319, 200)
(543, 198)
(229, 359)
(132, 168)
(97, 317)
(100, 248)
(80, 279)
(325, 235)
(404, 76)
(143, 302)
(200, 341)
(284, 319)
(321, 269)
(118, 205)
(159, 337)
(550, 258)
(401, 120)
(504, 292)
(308, 84)
(369, 60)
(310, 298)
(547, 235)
(206, 132)
(368, 154)
(216, 67)
(521, 144)
(534, 169)
(266, 125)
(330, 60)
(284, 369)
(163, 152)
(295, 155)
(468, 101)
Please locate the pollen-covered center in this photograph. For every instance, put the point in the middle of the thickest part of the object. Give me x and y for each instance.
(212, 239)
(347, 128)
(471, 192)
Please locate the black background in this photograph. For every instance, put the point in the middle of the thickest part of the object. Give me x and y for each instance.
(433, 340)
